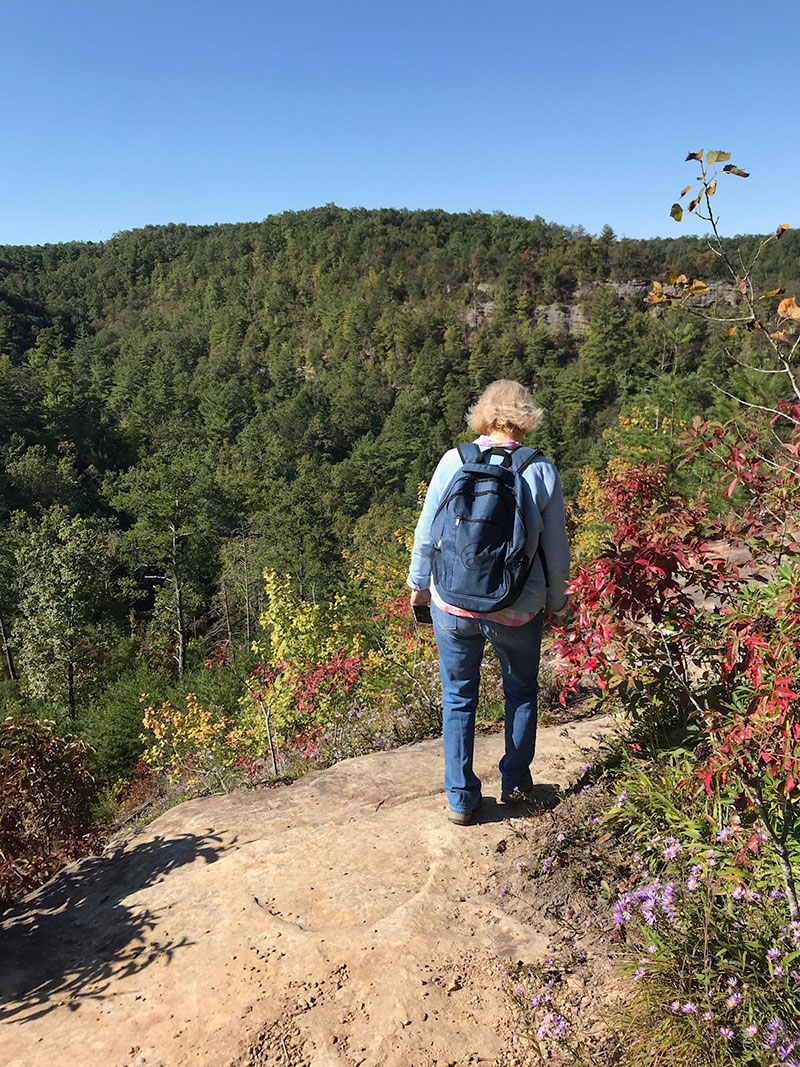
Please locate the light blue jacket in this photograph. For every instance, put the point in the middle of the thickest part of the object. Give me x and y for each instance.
(543, 506)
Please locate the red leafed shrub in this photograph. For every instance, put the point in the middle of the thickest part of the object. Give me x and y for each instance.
(142, 787)
(687, 619)
(45, 797)
(638, 603)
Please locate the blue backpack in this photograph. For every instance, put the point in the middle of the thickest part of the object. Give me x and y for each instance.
(479, 560)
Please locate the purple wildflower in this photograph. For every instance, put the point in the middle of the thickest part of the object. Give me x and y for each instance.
(553, 1025)
(774, 1026)
(778, 972)
(751, 1030)
(585, 767)
(522, 865)
(622, 913)
(639, 974)
(505, 888)
(773, 953)
(560, 838)
(547, 862)
(689, 1008)
(726, 1032)
(676, 1005)
(733, 1001)
(673, 847)
(559, 1027)
(667, 902)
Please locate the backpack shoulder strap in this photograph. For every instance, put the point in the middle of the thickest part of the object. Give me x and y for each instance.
(469, 452)
(523, 457)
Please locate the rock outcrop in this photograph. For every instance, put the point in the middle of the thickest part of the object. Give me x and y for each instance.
(339, 921)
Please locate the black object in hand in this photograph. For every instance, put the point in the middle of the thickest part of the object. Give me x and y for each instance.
(422, 613)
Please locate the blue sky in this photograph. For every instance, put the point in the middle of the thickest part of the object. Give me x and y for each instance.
(119, 114)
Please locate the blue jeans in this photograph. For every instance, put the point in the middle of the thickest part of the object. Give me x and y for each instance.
(461, 642)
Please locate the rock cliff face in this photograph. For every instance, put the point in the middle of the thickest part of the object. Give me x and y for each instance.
(570, 316)
(341, 921)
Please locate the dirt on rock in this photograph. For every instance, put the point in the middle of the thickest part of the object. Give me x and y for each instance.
(565, 875)
(339, 922)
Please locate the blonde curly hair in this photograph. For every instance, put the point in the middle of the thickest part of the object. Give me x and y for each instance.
(504, 405)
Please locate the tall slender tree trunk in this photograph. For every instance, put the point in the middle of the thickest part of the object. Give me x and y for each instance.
(71, 687)
(180, 629)
(4, 639)
(245, 559)
(180, 622)
(227, 609)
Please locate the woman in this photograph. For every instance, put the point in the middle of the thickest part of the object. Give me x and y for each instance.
(503, 416)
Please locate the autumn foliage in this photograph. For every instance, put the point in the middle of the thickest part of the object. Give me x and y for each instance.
(690, 618)
(45, 804)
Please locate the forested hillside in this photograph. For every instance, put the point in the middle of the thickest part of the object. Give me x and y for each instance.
(184, 407)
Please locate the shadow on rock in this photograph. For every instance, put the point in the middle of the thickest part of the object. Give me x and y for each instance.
(543, 797)
(75, 935)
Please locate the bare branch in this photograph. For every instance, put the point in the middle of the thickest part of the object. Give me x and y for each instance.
(748, 366)
(758, 407)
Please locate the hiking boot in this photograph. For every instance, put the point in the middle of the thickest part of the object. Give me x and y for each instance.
(464, 818)
(516, 796)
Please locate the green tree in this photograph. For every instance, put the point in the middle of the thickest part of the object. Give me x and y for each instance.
(62, 567)
(174, 503)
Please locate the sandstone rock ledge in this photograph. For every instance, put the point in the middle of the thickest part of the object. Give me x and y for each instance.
(338, 922)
